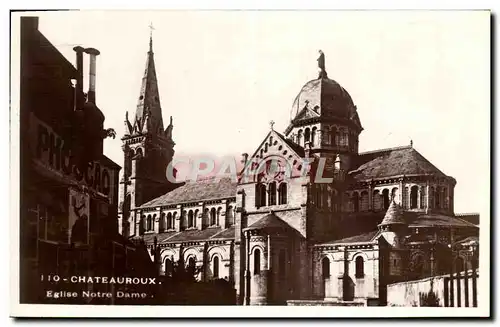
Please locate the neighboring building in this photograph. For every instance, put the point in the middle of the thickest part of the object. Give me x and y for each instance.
(68, 188)
(386, 215)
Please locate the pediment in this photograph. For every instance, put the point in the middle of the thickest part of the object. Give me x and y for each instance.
(275, 158)
(306, 113)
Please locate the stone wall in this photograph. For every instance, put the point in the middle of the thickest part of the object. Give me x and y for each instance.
(409, 293)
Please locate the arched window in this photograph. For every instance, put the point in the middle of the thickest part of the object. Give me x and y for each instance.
(325, 268)
(190, 218)
(422, 198)
(385, 196)
(169, 267)
(351, 141)
(431, 197)
(219, 210)
(216, 266)
(142, 225)
(213, 217)
(170, 224)
(438, 197)
(256, 262)
(364, 201)
(174, 217)
(307, 135)
(229, 216)
(327, 137)
(272, 193)
(260, 195)
(195, 217)
(149, 223)
(394, 194)
(413, 197)
(345, 137)
(335, 137)
(191, 265)
(355, 201)
(282, 193)
(162, 223)
(313, 136)
(445, 201)
(377, 200)
(405, 197)
(299, 137)
(360, 267)
(126, 207)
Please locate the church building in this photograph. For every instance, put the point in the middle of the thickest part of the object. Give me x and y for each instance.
(280, 235)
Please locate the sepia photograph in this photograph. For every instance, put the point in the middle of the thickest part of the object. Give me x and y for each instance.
(300, 159)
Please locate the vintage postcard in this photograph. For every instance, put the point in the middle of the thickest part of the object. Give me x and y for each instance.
(331, 163)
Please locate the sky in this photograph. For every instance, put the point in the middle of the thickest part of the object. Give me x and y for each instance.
(223, 75)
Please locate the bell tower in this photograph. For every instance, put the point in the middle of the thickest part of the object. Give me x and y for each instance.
(148, 148)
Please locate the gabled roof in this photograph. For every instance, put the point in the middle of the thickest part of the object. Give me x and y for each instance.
(190, 235)
(269, 221)
(294, 146)
(208, 189)
(295, 149)
(392, 162)
(413, 219)
(435, 220)
(306, 113)
(472, 218)
(361, 238)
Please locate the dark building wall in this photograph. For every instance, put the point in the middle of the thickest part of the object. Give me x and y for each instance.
(53, 186)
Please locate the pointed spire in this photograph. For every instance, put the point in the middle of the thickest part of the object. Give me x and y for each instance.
(151, 29)
(149, 97)
(128, 126)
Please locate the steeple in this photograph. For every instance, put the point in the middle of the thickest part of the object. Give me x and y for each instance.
(149, 98)
(148, 149)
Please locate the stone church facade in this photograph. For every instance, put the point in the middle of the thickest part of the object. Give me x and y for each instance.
(282, 234)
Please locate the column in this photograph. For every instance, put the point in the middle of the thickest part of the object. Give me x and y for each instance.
(246, 291)
(427, 197)
(401, 190)
(419, 192)
(370, 196)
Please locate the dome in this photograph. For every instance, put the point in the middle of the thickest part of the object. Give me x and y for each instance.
(326, 97)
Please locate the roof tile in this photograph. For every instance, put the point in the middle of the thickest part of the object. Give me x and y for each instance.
(209, 189)
(392, 162)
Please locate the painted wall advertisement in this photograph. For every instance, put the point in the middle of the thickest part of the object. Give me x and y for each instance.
(50, 150)
(78, 218)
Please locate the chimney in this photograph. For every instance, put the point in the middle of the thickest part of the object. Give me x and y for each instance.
(79, 77)
(93, 54)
